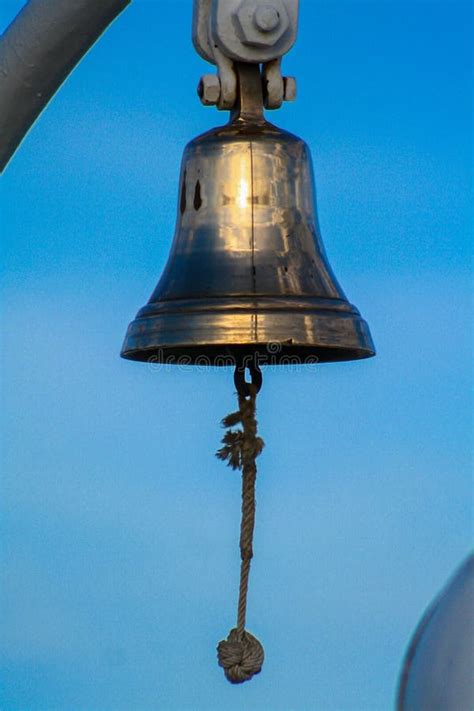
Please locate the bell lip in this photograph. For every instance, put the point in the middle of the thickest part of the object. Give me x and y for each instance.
(223, 355)
(278, 329)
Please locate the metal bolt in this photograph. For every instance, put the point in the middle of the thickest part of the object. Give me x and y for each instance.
(209, 89)
(289, 88)
(261, 24)
(266, 18)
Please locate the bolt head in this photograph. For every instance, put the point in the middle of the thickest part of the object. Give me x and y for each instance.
(289, 88)
(261, 24)
(209, 89)
(266, 18)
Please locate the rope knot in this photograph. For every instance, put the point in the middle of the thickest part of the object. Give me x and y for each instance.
(241, 656)
(242, 446)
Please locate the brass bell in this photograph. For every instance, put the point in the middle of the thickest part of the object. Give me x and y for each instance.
(247, 272)
(247, 281)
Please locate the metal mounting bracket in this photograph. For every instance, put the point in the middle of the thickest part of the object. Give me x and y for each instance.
(251, 31)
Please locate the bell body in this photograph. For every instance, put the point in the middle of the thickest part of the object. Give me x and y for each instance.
(247, 272)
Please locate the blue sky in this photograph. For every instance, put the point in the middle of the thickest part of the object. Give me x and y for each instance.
(120, 528)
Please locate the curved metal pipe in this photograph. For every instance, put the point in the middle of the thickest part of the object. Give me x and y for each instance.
(38, 51)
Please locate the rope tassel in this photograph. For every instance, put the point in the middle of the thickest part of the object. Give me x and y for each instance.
(241, 654)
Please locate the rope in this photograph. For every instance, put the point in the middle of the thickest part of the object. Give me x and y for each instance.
(241, 654)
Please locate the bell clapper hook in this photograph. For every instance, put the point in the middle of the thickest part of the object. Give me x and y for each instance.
(242, 386)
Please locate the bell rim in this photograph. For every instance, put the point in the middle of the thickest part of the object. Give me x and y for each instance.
(203, 355)
(278, 329)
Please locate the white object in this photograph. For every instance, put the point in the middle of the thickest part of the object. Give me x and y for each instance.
(438, 672)
(251, 31)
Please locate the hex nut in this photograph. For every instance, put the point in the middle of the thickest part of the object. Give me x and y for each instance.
(257, 24)
(209, 89)
(289, 88)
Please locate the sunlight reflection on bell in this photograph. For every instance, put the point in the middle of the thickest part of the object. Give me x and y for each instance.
(242, 193)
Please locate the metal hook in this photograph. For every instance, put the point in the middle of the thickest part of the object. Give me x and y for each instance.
(239, 378)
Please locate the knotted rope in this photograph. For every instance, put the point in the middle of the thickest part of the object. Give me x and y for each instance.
(241, 654)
